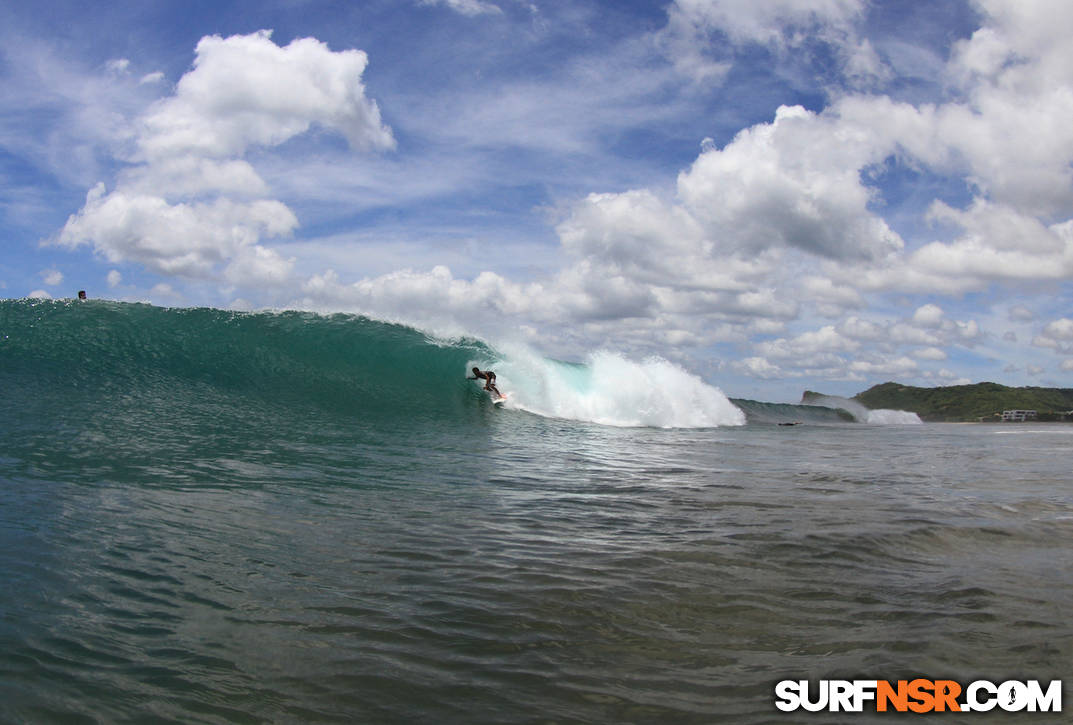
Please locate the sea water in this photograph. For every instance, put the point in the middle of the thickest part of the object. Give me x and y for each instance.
(218, 517)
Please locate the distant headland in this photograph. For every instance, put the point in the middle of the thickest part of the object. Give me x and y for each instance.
(981, 402)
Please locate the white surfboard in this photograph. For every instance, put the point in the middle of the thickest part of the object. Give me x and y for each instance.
(500, 400)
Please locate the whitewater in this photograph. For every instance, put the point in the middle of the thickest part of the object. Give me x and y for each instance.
(212, 516)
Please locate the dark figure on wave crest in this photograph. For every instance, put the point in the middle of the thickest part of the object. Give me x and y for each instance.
(489, 379)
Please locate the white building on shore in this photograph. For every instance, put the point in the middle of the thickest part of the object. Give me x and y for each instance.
(1018, 416)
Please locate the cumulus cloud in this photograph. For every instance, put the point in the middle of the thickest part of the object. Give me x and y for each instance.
(52, 277)
(185, 239)
(801, 181)
(636, 234)
(832, 299)
(783, 189)
(759, 367)
(246, 90)
(1056, 335)
(791, 183)
(1017, 68)
(928, 316)
(801, 191)
(893, 368)
(998, 243)
(192, 207)
(930, 353)
(858, 348)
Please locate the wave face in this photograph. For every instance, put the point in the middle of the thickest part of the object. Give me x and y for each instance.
(769, 413)
(159, 362)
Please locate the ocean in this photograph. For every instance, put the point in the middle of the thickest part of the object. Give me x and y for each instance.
(221, 517)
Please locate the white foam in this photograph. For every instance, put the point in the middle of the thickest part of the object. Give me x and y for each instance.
(612, 390)
(884, 416)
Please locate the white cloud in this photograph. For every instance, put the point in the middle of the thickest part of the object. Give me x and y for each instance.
(893, 368)
(114, 278)
(39, 294)
(1061, 329)
(119, 66)
(1020, 313)
(52, 277)
(185, 240)
(949, 377)
(930, 353)
(164, 294)
(467, 7)
(782, 25)
(857, 329)
(792, 183)
(637, 235)
(833, 299)
(759, 367)
(246, 90)
(1018, 69)
(190, 209)
(191, 176)
(1056, 335)
(807, 345)
(928, 316)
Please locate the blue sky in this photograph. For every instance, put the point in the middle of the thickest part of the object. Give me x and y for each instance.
(777, 196)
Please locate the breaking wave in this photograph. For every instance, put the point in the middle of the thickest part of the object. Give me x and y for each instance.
(163, 362)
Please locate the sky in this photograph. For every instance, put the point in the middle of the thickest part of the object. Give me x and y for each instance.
(777, 196)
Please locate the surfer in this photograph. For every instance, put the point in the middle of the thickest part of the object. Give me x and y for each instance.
(490, 380)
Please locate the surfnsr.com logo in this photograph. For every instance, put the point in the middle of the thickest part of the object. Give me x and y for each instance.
(918, 695)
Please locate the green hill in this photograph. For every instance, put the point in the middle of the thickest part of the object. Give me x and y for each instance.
(967, 402)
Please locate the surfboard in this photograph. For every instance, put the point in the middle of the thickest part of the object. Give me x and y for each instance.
(500, 400)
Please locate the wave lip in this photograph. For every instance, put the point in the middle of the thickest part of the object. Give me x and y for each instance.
(610, 389)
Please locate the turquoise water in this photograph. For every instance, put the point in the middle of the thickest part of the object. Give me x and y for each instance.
(216, 517)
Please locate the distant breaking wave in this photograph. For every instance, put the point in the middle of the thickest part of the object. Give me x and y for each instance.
(880, 416)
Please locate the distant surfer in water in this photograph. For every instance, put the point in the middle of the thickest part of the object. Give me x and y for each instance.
(490, 380)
